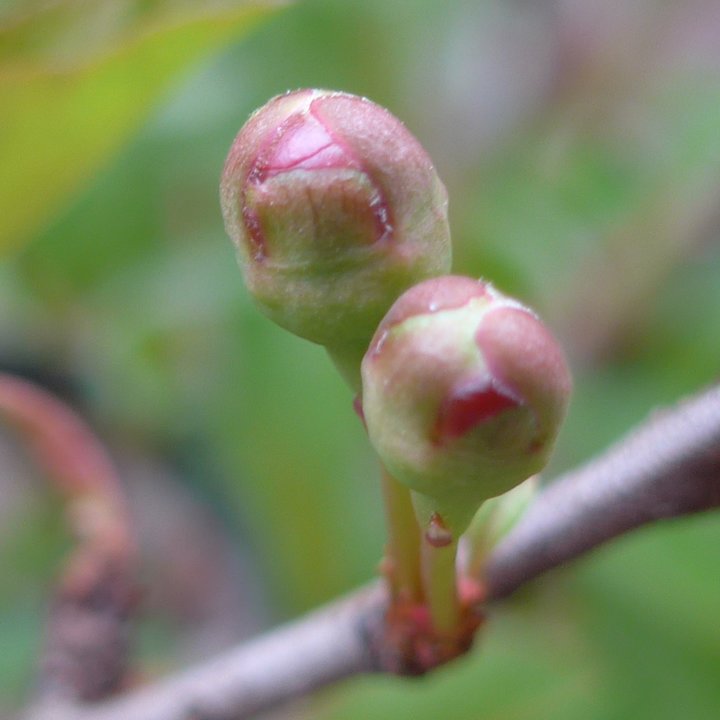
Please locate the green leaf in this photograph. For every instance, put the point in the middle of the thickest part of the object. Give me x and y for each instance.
(78, 77)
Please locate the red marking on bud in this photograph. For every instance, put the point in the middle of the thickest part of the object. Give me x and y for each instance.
(378, 205)
(303, 141)
(358, 408)
(436, 533)
(470, 405)
(255, 234)
(377, 343)
(536, 445)
(306, 145)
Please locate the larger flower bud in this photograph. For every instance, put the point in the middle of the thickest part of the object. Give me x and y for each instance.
(335, 209)
(464, 391)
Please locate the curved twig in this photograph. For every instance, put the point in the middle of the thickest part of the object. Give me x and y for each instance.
(668, 467)
(85, 650)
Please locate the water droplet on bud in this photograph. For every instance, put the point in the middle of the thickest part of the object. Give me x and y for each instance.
(436, 533)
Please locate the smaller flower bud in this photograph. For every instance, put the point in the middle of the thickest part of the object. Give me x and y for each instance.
(335, 209)
(464, 390)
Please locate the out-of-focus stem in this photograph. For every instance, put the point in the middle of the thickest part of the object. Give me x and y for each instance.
(74, 460)
(85, 650)
(403, 541)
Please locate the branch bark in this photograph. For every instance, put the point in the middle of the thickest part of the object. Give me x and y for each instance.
(668, 467)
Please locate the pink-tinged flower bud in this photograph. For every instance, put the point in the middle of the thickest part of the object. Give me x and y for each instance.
(464, 391)
(335, 209)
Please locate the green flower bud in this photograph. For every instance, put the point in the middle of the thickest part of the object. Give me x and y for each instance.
(464, 391)
(335, 209)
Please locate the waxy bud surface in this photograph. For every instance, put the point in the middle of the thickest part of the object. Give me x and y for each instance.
(335, 209)
(464, 390)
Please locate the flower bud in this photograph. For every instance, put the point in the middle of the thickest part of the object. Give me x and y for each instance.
(335, 209)
(464, 391)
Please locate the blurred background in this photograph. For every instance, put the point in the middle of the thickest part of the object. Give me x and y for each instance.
(580, 144)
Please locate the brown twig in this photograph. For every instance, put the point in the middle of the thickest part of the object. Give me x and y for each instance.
(86, 641)
(667, 468)
(290, 662)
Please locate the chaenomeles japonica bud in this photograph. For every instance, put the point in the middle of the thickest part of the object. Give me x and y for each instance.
(335, 209)
(464, 391)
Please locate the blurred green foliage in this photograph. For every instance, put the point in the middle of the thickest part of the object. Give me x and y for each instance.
(580, 145)
(78, 76)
